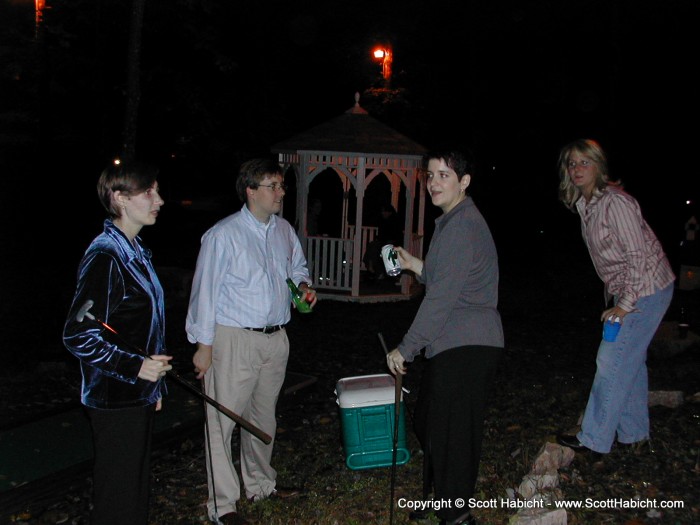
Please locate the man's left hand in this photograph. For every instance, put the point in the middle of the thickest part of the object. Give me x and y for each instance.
(310, 294)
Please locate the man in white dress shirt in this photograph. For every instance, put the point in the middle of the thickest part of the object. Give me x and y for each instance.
(238, 308)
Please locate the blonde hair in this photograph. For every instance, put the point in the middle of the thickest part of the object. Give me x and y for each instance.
(568, 193)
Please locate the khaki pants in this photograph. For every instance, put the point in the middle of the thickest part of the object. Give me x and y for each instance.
(246, 376)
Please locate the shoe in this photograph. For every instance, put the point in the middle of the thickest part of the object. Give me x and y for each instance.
(637, 447)
(285, 492)
(232, 518)
(278, 493)
(572, 442)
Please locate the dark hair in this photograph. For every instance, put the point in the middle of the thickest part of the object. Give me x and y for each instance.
(462, 162)
(129, 178)
(252, 173)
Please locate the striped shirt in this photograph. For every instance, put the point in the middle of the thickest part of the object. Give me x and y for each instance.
(626, 254)
(240, 276)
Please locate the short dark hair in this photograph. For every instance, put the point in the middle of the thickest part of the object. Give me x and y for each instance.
(462, 162)
(129, 178)
(252, 173)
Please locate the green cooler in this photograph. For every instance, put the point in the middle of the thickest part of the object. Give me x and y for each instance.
(367, 421)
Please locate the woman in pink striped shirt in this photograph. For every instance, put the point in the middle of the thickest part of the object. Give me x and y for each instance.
(638, 278)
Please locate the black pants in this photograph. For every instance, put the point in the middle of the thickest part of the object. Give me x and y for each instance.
(121, 472)
(449, 421)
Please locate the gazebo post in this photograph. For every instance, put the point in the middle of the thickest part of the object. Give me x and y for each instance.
(357, 243)
(395, 183)
(302, 203)
(346, 205)
(408, 225)
(421, 209)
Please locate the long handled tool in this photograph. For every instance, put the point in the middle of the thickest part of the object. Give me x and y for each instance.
(398, 379)
(258, 433)
(211, 464)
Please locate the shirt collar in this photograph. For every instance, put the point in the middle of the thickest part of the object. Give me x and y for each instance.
(446, 216)
(130, 251)
(582, 205)
(250, 218)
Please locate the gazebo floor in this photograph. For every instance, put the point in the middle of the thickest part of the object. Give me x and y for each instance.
(373, 291)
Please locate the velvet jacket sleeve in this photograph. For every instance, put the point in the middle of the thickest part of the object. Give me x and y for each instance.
(101, 281)
(121, 281)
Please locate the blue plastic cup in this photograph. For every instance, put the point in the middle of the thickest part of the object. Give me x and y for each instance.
(610, 329)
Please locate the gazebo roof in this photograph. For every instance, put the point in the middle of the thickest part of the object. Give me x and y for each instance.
(354, 132)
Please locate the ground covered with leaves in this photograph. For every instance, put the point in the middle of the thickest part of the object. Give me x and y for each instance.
(552, 330)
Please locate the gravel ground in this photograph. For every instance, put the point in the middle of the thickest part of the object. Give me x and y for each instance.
(552, 331)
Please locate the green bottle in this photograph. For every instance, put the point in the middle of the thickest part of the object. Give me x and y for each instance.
(298, 297)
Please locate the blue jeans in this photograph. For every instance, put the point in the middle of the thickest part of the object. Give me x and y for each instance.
(619, 398)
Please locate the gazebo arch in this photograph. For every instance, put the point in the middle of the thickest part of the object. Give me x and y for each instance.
(358, 148)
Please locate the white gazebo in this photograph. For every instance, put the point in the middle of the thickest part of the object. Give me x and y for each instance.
(357, 149)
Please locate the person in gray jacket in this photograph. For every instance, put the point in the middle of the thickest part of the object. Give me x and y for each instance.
(459, 328)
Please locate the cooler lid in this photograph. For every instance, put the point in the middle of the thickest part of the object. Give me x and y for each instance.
(360, 391)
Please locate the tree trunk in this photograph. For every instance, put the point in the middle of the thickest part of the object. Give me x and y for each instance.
(133, 85)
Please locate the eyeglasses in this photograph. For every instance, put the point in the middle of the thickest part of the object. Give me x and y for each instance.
(584, 164)
(274, 187)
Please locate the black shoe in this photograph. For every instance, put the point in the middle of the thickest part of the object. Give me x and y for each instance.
(572, 442)
(638, 447)
(232, 518)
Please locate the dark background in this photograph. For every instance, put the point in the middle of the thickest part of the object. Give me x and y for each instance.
(223, 81)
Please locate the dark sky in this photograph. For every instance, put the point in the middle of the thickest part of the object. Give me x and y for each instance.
(224, 80)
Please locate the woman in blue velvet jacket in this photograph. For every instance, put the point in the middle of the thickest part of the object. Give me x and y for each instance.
(122, 383)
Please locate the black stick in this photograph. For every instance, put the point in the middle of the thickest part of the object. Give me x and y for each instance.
(211, 464)
(258, 433)
(398, 379)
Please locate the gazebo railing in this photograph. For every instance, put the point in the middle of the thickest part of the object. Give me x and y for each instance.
(329, 262)
(368, 235)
